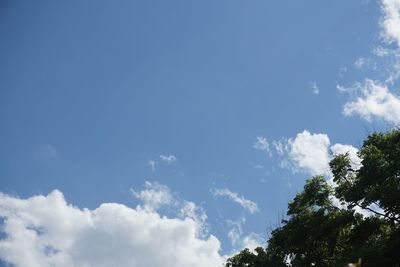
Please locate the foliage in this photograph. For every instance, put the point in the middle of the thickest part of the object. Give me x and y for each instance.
(324, 226)
(378, 180)
(248, 258)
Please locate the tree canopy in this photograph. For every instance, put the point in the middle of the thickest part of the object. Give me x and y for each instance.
(332, 224)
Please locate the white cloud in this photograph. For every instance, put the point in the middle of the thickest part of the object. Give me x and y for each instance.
(281, 147)
(258, 166)
(262, 144)
(381, 51)
(394, 74)
(359, 63)
(341, 88)
(152, 165)
(352, 152)
(375, 101)
(342, 71)
(168, 159)
(314, 87)
(236, 230)
(44, 231)
(190, 210)
(311, 153)
(240, 241)
(390, 31)
(154, 195)
(391, 20)
(48, 151)
(249, 205)
(253, 241)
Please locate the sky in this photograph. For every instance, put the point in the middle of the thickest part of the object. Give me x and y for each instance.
(174, 133)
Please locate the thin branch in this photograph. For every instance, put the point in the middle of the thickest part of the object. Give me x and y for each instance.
(377, 213)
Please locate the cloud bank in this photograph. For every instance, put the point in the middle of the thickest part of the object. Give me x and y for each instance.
(44, 231)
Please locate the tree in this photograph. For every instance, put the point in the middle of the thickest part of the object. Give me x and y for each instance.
(320, 232)
(375, 186)
(248, 258)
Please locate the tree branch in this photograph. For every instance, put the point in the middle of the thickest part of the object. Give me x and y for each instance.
(378, 213)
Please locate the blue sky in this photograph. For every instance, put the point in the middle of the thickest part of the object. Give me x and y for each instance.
(228, 105)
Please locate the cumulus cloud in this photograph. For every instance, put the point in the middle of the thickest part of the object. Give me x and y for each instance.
(391, 20)
(311, 153)
(168, 159)
(44, 231)
(376, 101)
(247, 204)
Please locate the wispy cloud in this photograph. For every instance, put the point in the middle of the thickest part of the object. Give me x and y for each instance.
(359, 63)
(240, 241)
(154, 195)
(48, 151)
(247, 204)
(152, 164)
(342, 71)
(236, 230)
(168, 159)
(261, 143)
(314, 87)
